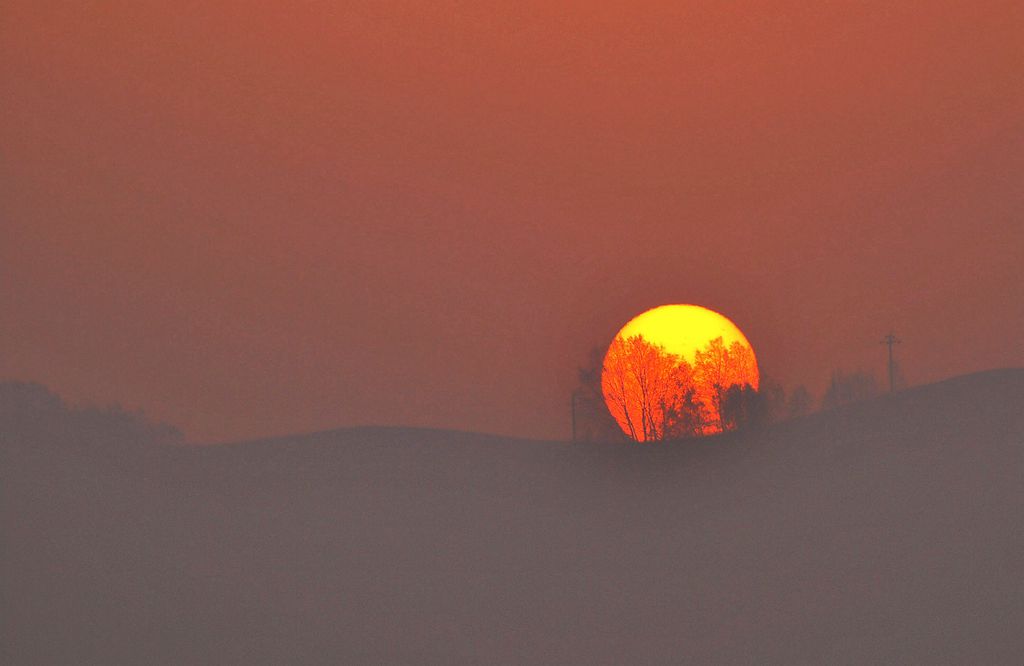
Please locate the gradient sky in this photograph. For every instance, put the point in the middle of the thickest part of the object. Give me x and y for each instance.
(255, 218)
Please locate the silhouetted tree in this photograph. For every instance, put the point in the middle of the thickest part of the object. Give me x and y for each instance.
(718, 367)
(641, 383)
(593, 420)
(26, 400)
(686, 417)
(800, 402)
(743, 408)
(773, 395)
(845, 388)
(31, 412)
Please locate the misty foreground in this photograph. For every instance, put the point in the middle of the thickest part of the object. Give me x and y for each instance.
(887, 532)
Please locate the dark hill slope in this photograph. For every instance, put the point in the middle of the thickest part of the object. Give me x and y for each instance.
(888, 531)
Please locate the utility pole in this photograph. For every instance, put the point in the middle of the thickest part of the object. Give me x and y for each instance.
(574, 415)
(891, 340)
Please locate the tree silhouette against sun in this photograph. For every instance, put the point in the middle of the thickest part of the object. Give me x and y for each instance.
(654, 394)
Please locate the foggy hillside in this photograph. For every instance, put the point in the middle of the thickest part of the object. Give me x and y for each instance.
(883, 532)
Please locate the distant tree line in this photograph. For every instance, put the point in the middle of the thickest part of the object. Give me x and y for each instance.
(30, 412)
(638, 391)
(847, 387)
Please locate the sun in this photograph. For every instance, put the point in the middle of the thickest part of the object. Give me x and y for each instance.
(679, 370)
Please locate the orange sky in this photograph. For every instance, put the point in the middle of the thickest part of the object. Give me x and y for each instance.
(254, 218)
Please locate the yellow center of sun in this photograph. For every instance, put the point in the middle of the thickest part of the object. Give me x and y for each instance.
(683, 329)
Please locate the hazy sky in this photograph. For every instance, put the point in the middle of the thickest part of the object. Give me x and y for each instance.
(255, 218)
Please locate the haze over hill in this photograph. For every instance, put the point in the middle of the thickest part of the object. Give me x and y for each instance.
(882, 532)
